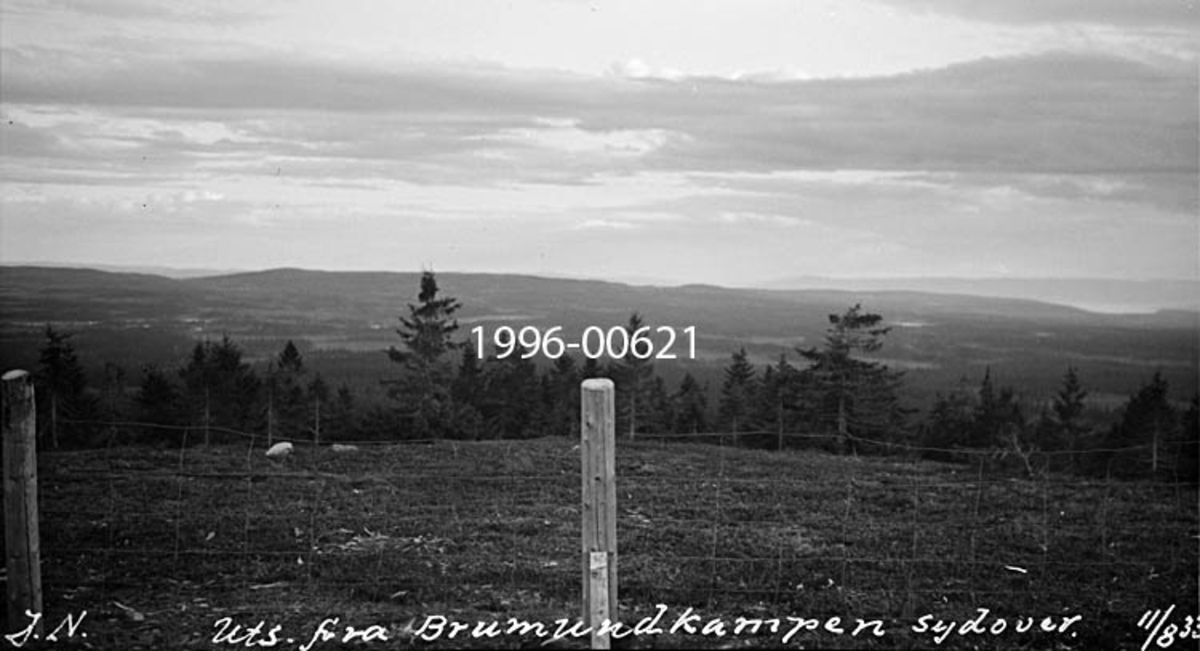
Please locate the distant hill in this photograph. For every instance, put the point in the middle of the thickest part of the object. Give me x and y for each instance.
(939, 338)
(157, 270)
(1094, 294)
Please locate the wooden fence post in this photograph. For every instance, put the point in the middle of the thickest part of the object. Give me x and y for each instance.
(20, 501)
(598, 452)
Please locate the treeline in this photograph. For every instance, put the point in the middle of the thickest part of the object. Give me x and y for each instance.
(837, 398)
(1151, 438)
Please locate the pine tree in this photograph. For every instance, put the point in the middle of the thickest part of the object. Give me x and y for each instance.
(856, 398)
(424, 387)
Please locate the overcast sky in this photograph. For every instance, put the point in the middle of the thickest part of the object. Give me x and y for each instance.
(729, 142)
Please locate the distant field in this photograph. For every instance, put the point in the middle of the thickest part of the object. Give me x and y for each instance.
(489, 530)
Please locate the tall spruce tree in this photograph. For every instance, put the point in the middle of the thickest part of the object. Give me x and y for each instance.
(635, 377)
(855, 397)
(114, 401)
(948, 425)
(739, 394)
(592, 368)
(467, 395)
(343, 419)
(158, 400)
(1068, 409)
(562, 397)
(61, 381)
(220, 390)
(424, 387)
(690, 406)
(997, 415)
(778, 398)
(1147, 424)
(318, 401)
(513, 400)
(660, 411)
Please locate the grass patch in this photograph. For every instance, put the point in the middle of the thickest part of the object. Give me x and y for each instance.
(490, 530)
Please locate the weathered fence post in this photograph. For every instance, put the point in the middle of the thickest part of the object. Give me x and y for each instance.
(23, 560)
(598, 451)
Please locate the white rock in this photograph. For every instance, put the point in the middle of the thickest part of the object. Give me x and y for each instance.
(280, 450)
(338, 447)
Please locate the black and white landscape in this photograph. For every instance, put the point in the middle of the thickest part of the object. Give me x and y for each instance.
(939, 262)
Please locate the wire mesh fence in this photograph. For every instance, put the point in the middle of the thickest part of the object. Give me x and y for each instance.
(163, 546)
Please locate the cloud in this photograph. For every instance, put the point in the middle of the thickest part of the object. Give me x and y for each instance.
(1058, 112)
(606, 224)
(1058, 148)
(1122, 13)
(212, 12)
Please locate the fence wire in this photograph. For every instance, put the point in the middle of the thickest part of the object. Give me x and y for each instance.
(160, 544)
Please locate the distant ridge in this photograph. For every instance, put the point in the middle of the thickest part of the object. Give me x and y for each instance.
(1104, 296)
(1092, 294)
(153, 270)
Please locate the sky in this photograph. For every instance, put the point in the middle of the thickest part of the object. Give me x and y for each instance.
(732, 142)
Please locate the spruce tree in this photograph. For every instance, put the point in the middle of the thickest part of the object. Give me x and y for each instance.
(1147, 423)
(739, 392)
(467, 395)
(997, 415)
(562, 397)
(778, 398)
(61, 381)
(423, 389)
(342, 420)
(287, 411)
(690, 406)
(1068, 409)
(158, 399)
(318, 399)
(220, 390)
(592, 368)
(855, 397)
(634, 376)
(948, 425)
(659, 412)
(513, 399)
